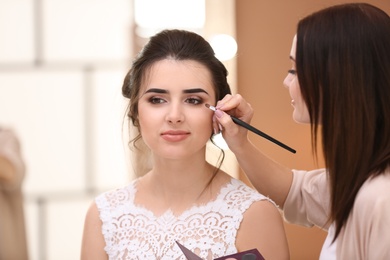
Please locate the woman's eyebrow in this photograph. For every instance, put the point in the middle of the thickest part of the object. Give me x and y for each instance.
(186, 91)
(194, 90)
(292, 58)
(156, 90)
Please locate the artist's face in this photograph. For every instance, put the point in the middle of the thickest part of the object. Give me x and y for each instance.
(174, 121)
(300, 113)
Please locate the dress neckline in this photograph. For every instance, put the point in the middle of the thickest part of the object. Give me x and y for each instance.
(168, 215)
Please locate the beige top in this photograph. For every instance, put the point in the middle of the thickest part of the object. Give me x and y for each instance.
(366, 234)
(13, 244)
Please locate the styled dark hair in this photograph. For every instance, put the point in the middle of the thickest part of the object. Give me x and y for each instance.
(343, 68)
(177, 45)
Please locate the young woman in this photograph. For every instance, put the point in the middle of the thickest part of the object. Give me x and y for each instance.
(182, 198)
(339, 80)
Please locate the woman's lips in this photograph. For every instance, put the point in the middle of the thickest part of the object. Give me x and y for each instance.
(175, 135)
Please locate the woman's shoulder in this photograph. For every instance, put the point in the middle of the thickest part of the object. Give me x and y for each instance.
(118, 196)
(240, 193)
(236, 185)
(370, 218)
(375, 188)
(374, 193)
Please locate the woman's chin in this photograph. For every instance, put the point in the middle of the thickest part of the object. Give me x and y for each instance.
(301, 119)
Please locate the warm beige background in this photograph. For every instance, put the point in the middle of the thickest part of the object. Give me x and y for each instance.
(264, 33)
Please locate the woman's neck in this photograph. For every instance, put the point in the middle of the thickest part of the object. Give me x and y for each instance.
(176, 186)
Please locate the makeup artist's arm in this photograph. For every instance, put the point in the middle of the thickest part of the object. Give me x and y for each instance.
(267, 176)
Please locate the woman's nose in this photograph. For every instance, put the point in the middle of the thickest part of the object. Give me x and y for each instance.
(286, 81)
(175, 114)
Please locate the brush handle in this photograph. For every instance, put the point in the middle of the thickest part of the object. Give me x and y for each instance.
(262, 134)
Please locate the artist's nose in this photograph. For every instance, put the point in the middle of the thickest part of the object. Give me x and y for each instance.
(175, 114)
(286, 81)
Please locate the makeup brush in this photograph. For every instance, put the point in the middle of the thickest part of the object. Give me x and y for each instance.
(255, 130)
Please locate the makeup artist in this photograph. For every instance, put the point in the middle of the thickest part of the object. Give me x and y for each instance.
(340, 84)
(182, 197)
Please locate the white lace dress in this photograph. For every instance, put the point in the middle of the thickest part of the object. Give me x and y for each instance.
(134, 232)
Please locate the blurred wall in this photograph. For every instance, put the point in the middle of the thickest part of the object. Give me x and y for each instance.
(264, 34)
(62, 65)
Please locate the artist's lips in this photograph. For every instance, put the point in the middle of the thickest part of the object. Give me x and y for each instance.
(175, 135)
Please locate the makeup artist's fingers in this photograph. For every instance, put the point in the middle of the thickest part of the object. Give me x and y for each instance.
(233, 134)
(216, 126)
(237, 106)
(224, 100)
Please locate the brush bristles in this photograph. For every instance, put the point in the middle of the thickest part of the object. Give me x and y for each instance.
(210, 107)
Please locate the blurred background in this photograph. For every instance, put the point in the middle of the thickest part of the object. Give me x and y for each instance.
(62, 64)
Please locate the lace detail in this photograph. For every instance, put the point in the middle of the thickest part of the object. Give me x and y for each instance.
(134, 232)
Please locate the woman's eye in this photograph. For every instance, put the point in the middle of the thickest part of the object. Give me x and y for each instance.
(156, 100)
(194, 101)
(293, 72)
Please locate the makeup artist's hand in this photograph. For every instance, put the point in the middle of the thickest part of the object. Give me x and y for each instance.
(237, 106)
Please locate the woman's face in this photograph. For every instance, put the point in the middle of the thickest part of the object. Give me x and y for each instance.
(174, 121)
(300, 114)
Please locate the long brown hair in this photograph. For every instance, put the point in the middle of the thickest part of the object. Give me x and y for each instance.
(343, 68)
